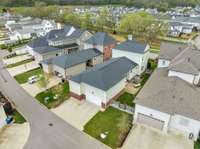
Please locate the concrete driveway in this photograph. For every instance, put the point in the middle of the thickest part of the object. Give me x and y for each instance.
(16, 59)
(76, 113)
(14, 136)
(34, 89)
(143, 137)
(22, 68)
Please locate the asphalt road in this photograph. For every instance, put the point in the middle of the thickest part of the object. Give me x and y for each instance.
(47, 131)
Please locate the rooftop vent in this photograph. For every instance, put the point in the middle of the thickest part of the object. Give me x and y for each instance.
(189, 59)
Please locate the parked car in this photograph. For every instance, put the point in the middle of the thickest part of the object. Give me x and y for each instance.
(33, 79)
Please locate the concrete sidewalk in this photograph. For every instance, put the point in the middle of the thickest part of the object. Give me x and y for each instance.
(23, 68)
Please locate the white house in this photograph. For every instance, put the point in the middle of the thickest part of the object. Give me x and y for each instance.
(104, 82)
(2, 117)
(135, 51)
(169, 100)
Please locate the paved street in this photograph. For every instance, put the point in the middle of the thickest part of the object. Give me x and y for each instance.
(47, 131)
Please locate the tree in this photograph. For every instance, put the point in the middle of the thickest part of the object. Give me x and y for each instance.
(44, 81)
(141, 25)
(86, 22)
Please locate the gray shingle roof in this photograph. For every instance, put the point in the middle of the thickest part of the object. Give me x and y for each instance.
(171, 95)
(45, 49)
(40, 42)
(170, 50)
(66, 61)
(101, 38)
(187, 61)
(106, 75)
(132, 46)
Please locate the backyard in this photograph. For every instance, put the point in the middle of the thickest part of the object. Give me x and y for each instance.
(22, 78)
(127, 98)
(54, 96)
(113, 123)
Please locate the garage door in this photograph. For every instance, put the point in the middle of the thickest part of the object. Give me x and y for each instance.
(147, 120)
(94, 99)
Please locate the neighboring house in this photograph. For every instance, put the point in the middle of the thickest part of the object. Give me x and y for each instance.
(104, 82)
(177, 28)
(2, 116)
(135, 51)
(72, 64)
(169, 100)
(103, 42)
(63, 41)
(26, 28)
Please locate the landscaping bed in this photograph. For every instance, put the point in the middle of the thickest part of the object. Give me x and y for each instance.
(22, 78)
(114, 123)
(197, 144)
(127, 98)
(47, 98)
(19, 63)
(18, 118)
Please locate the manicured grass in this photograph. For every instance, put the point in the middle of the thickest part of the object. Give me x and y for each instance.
(22, 78)
(109, 121)
(197, 144)
(18, 118)
(19, 63)
(62, 90)
(127, 98)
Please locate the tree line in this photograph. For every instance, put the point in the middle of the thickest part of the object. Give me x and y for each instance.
(160, 4)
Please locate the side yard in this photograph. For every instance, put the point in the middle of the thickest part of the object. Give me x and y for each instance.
(22, 78)
(127, 98)
(54, 96)
(110, 127)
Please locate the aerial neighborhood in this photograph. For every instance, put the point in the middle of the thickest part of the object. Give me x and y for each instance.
(65, 85)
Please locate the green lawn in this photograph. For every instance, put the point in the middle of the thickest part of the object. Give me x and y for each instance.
(22, 78)
(127, 98)
(110, 121)
(197, 145)
(19, 63)
(18, 118)
(62, 90)
(154, 50)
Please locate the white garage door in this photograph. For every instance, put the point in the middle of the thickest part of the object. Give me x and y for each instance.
(94, 99)
(147, 120)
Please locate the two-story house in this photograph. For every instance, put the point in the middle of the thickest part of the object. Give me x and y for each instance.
(64, 41)
(103, 42)
(169, 101)
(135, 51)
